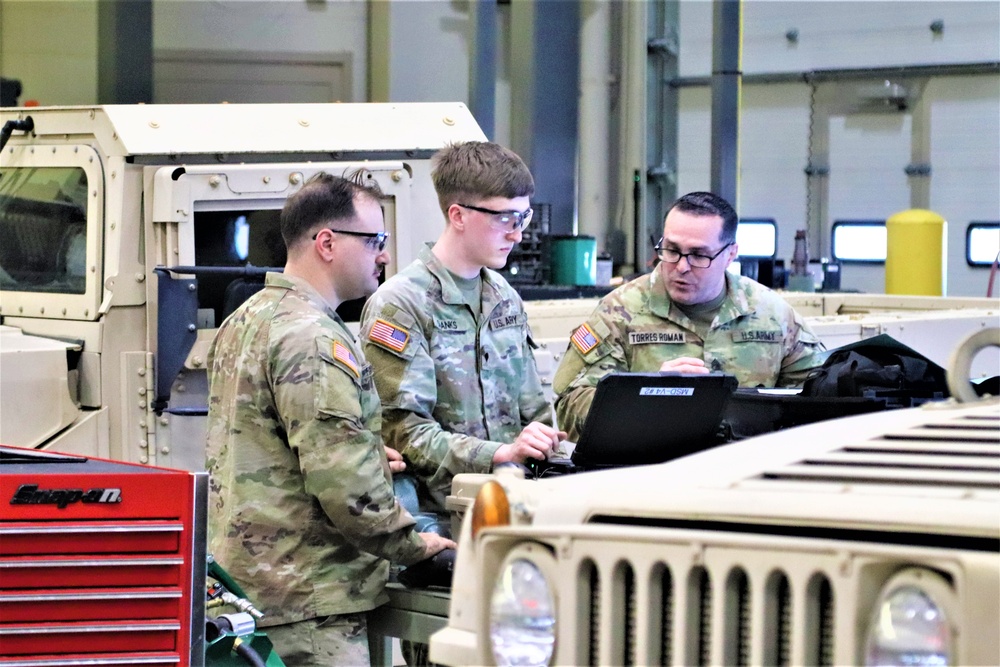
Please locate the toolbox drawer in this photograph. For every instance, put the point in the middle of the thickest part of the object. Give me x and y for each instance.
(95, 537)
(30, 638)
(27, 606)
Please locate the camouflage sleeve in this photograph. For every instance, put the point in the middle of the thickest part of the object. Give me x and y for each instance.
(596, 348)
(342, 463)
(532, 403)
(806, 354)
(407, 385)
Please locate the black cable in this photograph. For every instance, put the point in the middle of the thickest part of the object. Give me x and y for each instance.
(247, 652)
(26, 125)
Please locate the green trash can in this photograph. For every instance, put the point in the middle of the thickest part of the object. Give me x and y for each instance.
(574, 260)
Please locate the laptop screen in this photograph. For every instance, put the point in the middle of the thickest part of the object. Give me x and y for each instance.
(640, 418)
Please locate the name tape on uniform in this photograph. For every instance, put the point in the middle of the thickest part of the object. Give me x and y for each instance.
(647, 337)
(755, 336)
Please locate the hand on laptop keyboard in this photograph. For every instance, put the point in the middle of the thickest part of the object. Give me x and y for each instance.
(536, 441)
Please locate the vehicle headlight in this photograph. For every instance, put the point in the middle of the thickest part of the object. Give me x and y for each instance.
(912, 622)
(523, 609)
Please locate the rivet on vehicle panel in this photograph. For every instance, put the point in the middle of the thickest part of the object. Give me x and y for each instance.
(142, 391)
(92, 114)
(90, 159)
(53, 149)
(142, 405)
(114, 136)
(32, 149)
(214, 181)
(76, 149)
(64, 311)
(267, 179)
(20, 309)
(181, 389)
(114, 174)
(165, 450)
(42, 311)
(113, 225)
(93, 268)
(153, 124)
(140, 277)
(143, 459)
(304, 123)
(143, 444)
(163, 421)
(142, 423)
(142, 372)
(86, 313)
(397, 176)
(192, 327)
(94, 193)
(197, 362)
(192, 287)
(448, 120)
(295, 178)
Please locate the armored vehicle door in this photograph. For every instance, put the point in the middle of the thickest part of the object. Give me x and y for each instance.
(214, 233)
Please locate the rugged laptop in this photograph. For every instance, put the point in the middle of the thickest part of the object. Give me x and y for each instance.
(640, 418)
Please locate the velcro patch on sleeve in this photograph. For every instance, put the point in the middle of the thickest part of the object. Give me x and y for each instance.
(342, 354)
(389, 335)
(584, 339)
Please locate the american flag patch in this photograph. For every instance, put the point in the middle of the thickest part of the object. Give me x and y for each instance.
(389, 336)
(584, 339)
(344, 356)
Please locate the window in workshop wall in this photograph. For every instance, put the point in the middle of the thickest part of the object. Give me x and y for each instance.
(757, 237)
(859, 241)
(982, 243)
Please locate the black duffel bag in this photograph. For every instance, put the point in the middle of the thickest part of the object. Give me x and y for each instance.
(878, 367)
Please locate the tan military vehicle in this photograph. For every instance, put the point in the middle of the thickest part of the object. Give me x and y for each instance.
(127, 233)
(868, 540)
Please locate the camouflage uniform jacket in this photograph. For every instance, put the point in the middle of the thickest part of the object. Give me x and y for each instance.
(453, 391)
(755, 336)
(301, 508)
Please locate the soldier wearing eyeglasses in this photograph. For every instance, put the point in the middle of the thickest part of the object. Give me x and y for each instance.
(688, 315)
(302, 511)
(448, 336)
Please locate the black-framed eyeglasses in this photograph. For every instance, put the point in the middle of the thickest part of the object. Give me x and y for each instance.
(373, 240)
(695, 260)
(509, 221)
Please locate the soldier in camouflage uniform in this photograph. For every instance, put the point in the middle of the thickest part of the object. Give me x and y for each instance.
(448, 336)
(302, 512)
(688, 315)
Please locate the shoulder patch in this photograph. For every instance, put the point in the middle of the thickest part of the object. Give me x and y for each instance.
(584, 339)
(389, 335)
(342, 354)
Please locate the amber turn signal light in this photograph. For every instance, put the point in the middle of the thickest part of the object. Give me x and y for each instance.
(491, 508)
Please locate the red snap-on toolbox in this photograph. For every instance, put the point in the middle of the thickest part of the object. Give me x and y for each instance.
(101, 562)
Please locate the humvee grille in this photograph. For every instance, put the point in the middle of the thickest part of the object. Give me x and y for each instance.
(664, 604)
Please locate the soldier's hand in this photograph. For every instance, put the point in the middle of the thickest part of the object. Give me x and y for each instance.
(396, 462)
(536, 441)
(684, 365)
(433, 543)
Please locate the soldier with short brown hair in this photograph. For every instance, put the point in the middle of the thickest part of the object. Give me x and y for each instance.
(302, 512)
(448, 336)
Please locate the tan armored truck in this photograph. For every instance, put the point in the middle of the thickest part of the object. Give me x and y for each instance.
(127, 233)
(866, 540)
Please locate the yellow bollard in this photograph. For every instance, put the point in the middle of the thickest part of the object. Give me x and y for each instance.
(916, 246)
